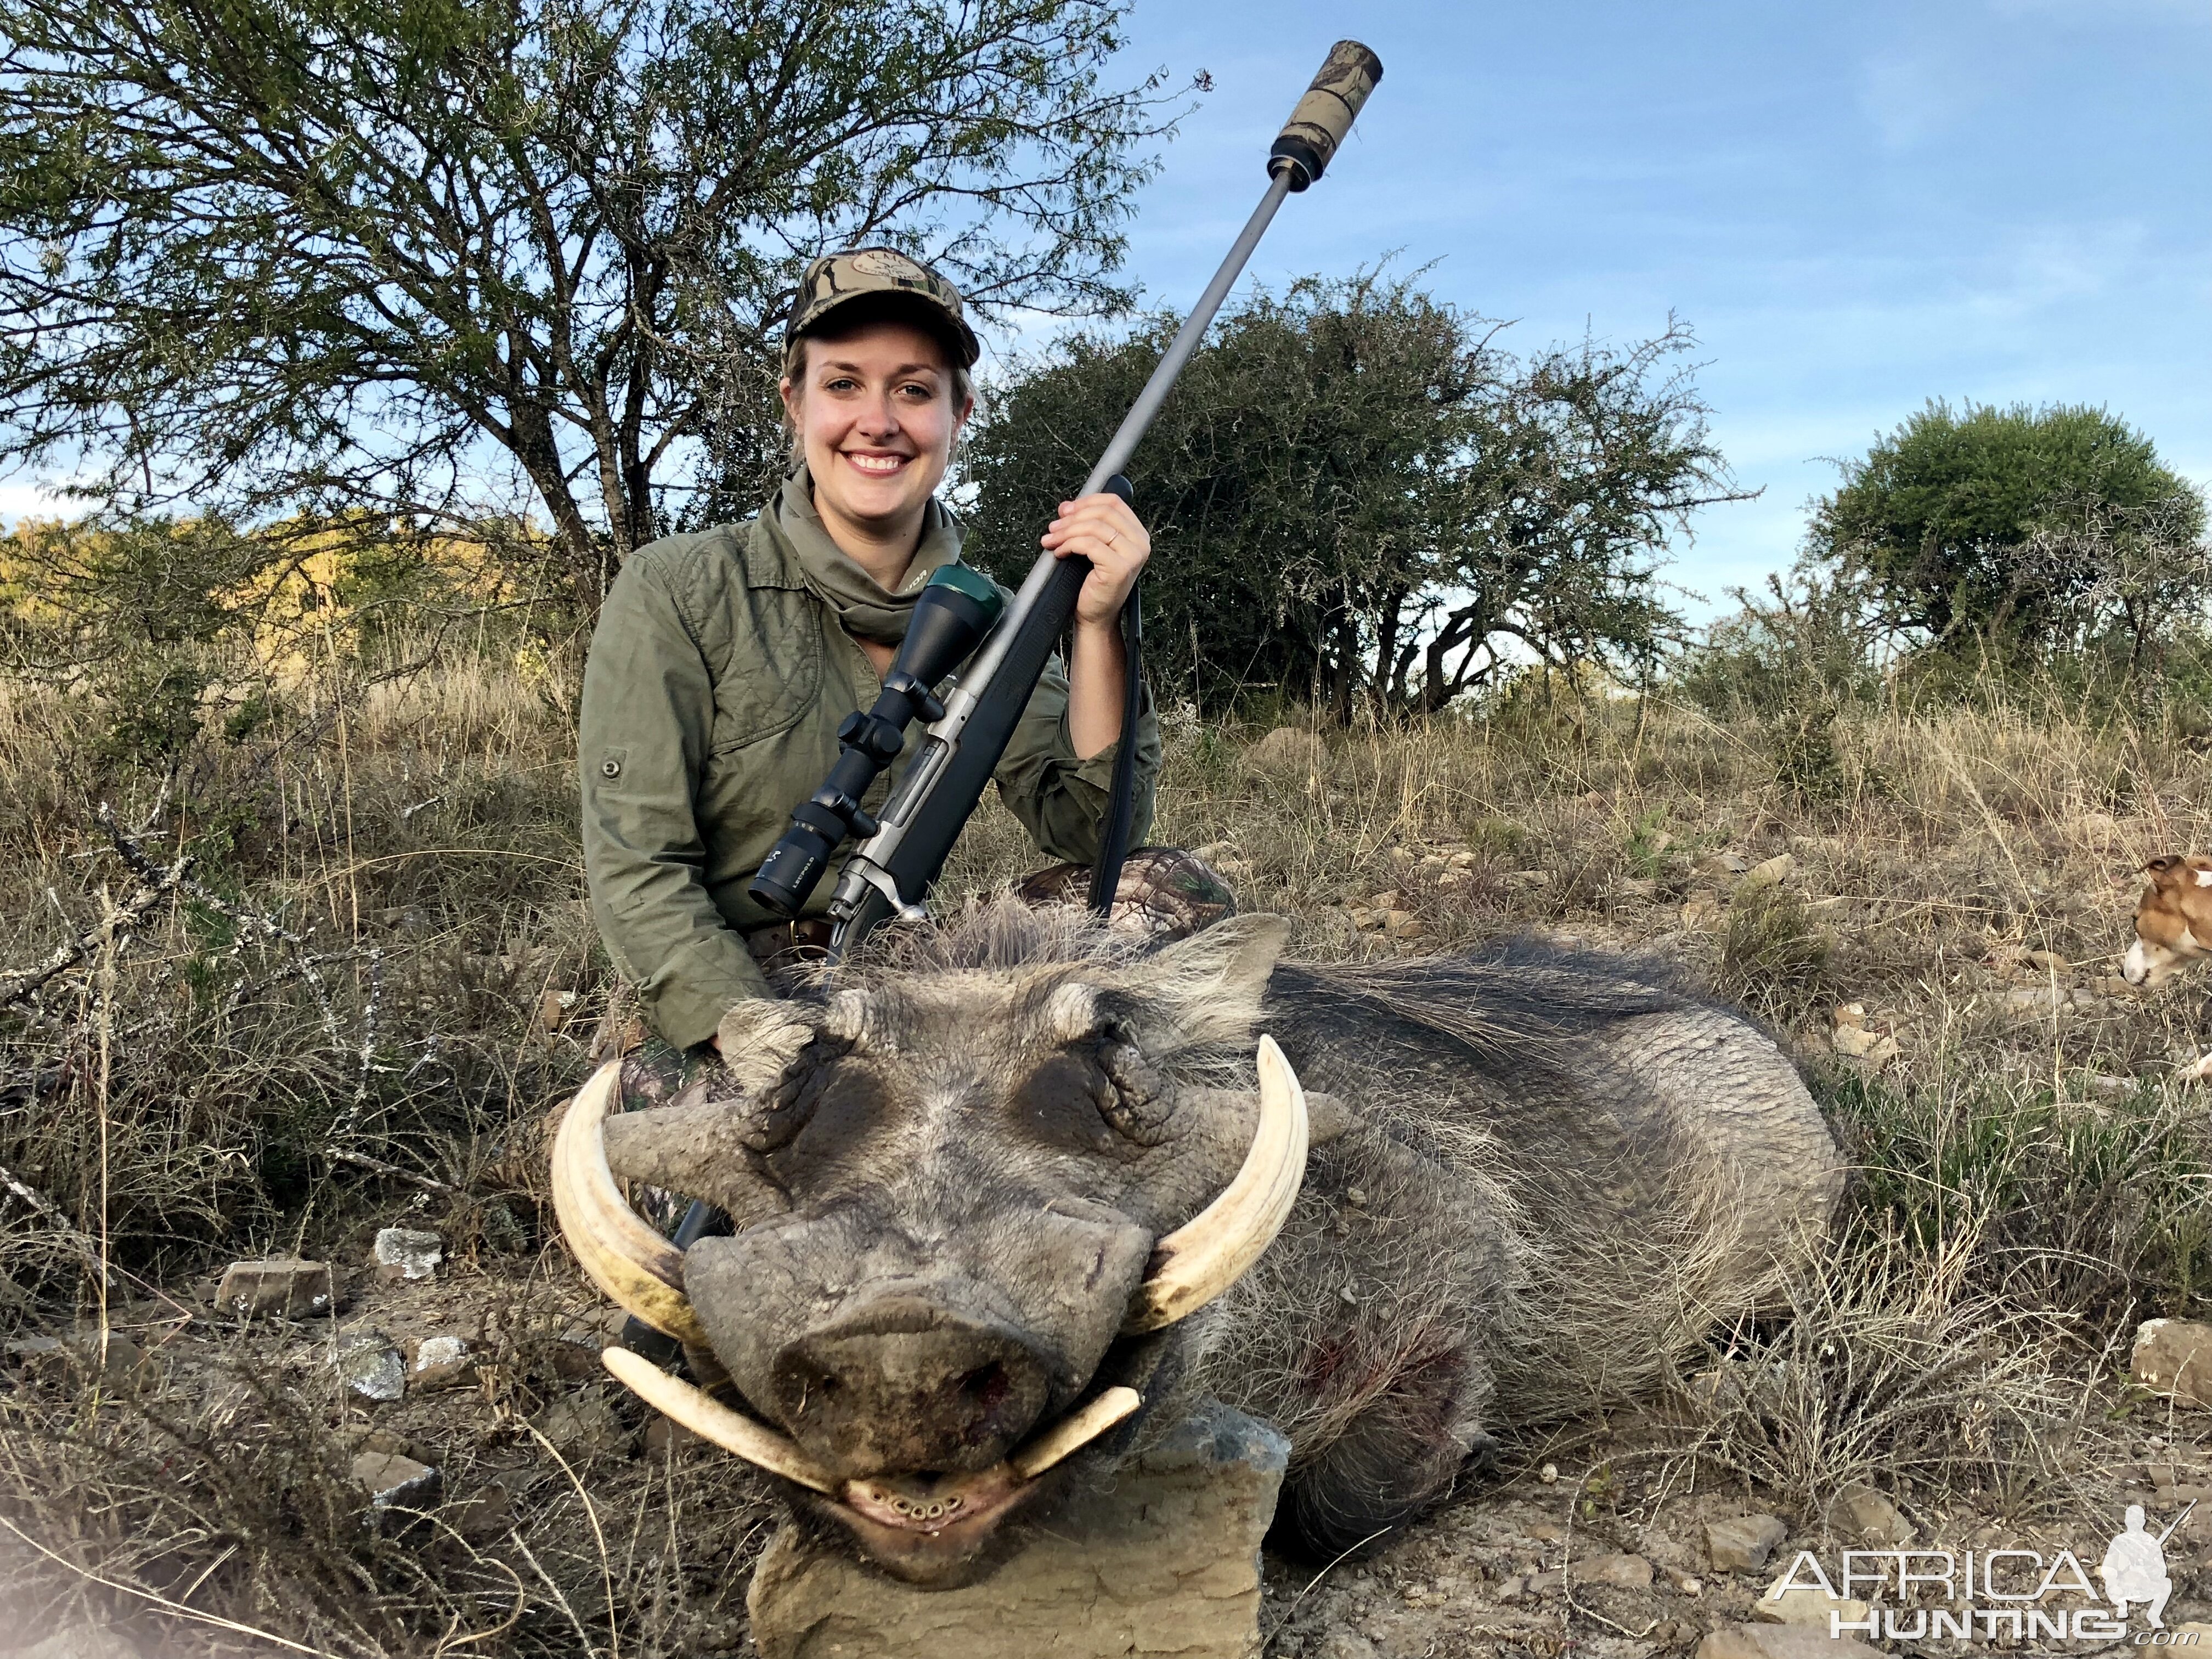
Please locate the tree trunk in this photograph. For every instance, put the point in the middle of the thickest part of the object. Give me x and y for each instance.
(534, 445)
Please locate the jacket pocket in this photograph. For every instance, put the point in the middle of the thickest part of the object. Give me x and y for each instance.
(773, 675)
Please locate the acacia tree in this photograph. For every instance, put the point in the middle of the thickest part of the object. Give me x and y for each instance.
(1356, 495)
(324, 255)
(2028, 530)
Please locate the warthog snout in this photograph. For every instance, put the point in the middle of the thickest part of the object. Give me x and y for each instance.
(900, 1384)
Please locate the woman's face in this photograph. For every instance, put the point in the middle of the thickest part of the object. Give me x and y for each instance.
(875, 412)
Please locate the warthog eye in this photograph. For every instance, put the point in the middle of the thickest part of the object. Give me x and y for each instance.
(1136, 1100)
(773, 1117)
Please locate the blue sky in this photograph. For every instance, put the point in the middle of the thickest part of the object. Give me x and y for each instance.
(1857, 206)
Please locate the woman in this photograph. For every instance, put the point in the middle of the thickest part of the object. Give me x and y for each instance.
(725, 659)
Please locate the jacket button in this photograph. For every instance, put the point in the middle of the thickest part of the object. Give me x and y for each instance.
(611, 769)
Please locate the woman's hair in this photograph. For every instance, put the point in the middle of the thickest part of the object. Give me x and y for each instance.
(849, 320)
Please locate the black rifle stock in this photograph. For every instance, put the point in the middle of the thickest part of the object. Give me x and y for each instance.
(890, 873)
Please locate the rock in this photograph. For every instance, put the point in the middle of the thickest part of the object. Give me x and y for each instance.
(2173, 1357)
(81, 1642)
(1723, 864)
(1528, 878)
(77, 1360)
(486, 1513)
(1804, 1605)
(663, 1436)
(1851, 1013)
(406, 1252)
(1549, 1475)
(1287, 751)
(1772, 872)
(1620, 1571)
(1403, 924)
(1701, 912)
(1544, 1583)
(1344, 1644)
(582, 1426)
(1165, 1562)
(123, 1356)
(1866, 1518)
(1364, 920)
(1742, 1543)
(370, 1367)
(1781, 1642)
(396, 1482)
(2037, 999)
(440, 1361)
(283, 1285)
(1874, 1049)
(1637, 887)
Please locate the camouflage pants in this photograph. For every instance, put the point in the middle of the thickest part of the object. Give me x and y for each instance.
(1165, 893)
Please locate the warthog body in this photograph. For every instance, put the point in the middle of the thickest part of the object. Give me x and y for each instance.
(1535, 1180)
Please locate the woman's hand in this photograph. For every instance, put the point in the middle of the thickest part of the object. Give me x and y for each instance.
(1103, 530)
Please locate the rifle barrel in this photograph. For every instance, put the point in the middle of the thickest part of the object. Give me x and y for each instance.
(1138, 420)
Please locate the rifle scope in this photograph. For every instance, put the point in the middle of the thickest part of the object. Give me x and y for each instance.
(955, 611)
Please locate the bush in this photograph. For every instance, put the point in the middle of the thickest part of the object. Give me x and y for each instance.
(2031, 530)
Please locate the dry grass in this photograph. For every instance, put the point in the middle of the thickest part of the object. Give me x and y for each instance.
(385, 974)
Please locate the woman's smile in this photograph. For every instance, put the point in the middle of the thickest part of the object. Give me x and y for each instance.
(876, 463)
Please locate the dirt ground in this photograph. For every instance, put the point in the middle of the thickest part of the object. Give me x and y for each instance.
(1593, 1543)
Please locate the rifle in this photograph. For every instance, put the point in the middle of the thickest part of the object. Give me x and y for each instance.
(902, 851)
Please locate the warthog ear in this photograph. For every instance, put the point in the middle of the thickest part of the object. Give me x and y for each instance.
(1211, 984)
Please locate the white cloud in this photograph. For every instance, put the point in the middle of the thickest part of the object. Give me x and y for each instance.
(21, 499)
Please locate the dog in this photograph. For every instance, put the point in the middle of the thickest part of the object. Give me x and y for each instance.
(2174, 918)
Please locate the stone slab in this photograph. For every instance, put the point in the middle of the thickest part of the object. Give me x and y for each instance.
(283, 1285)
(2173, 1356)
(1164, 1566)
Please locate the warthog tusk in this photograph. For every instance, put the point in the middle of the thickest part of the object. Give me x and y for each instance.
(1074, 1431)
(1207, 1255)
(636, 1267)
(710, 1420)
(734, 1431)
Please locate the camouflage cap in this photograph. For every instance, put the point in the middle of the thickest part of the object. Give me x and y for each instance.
(837, 278)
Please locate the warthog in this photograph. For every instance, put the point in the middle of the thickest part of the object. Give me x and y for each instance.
(1006, 1202)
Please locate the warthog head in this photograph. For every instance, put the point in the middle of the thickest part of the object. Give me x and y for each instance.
(973, 1196)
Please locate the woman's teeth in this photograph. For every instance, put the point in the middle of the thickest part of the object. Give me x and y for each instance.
(884, 465)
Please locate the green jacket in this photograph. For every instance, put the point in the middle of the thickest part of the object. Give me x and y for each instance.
(716, 681)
